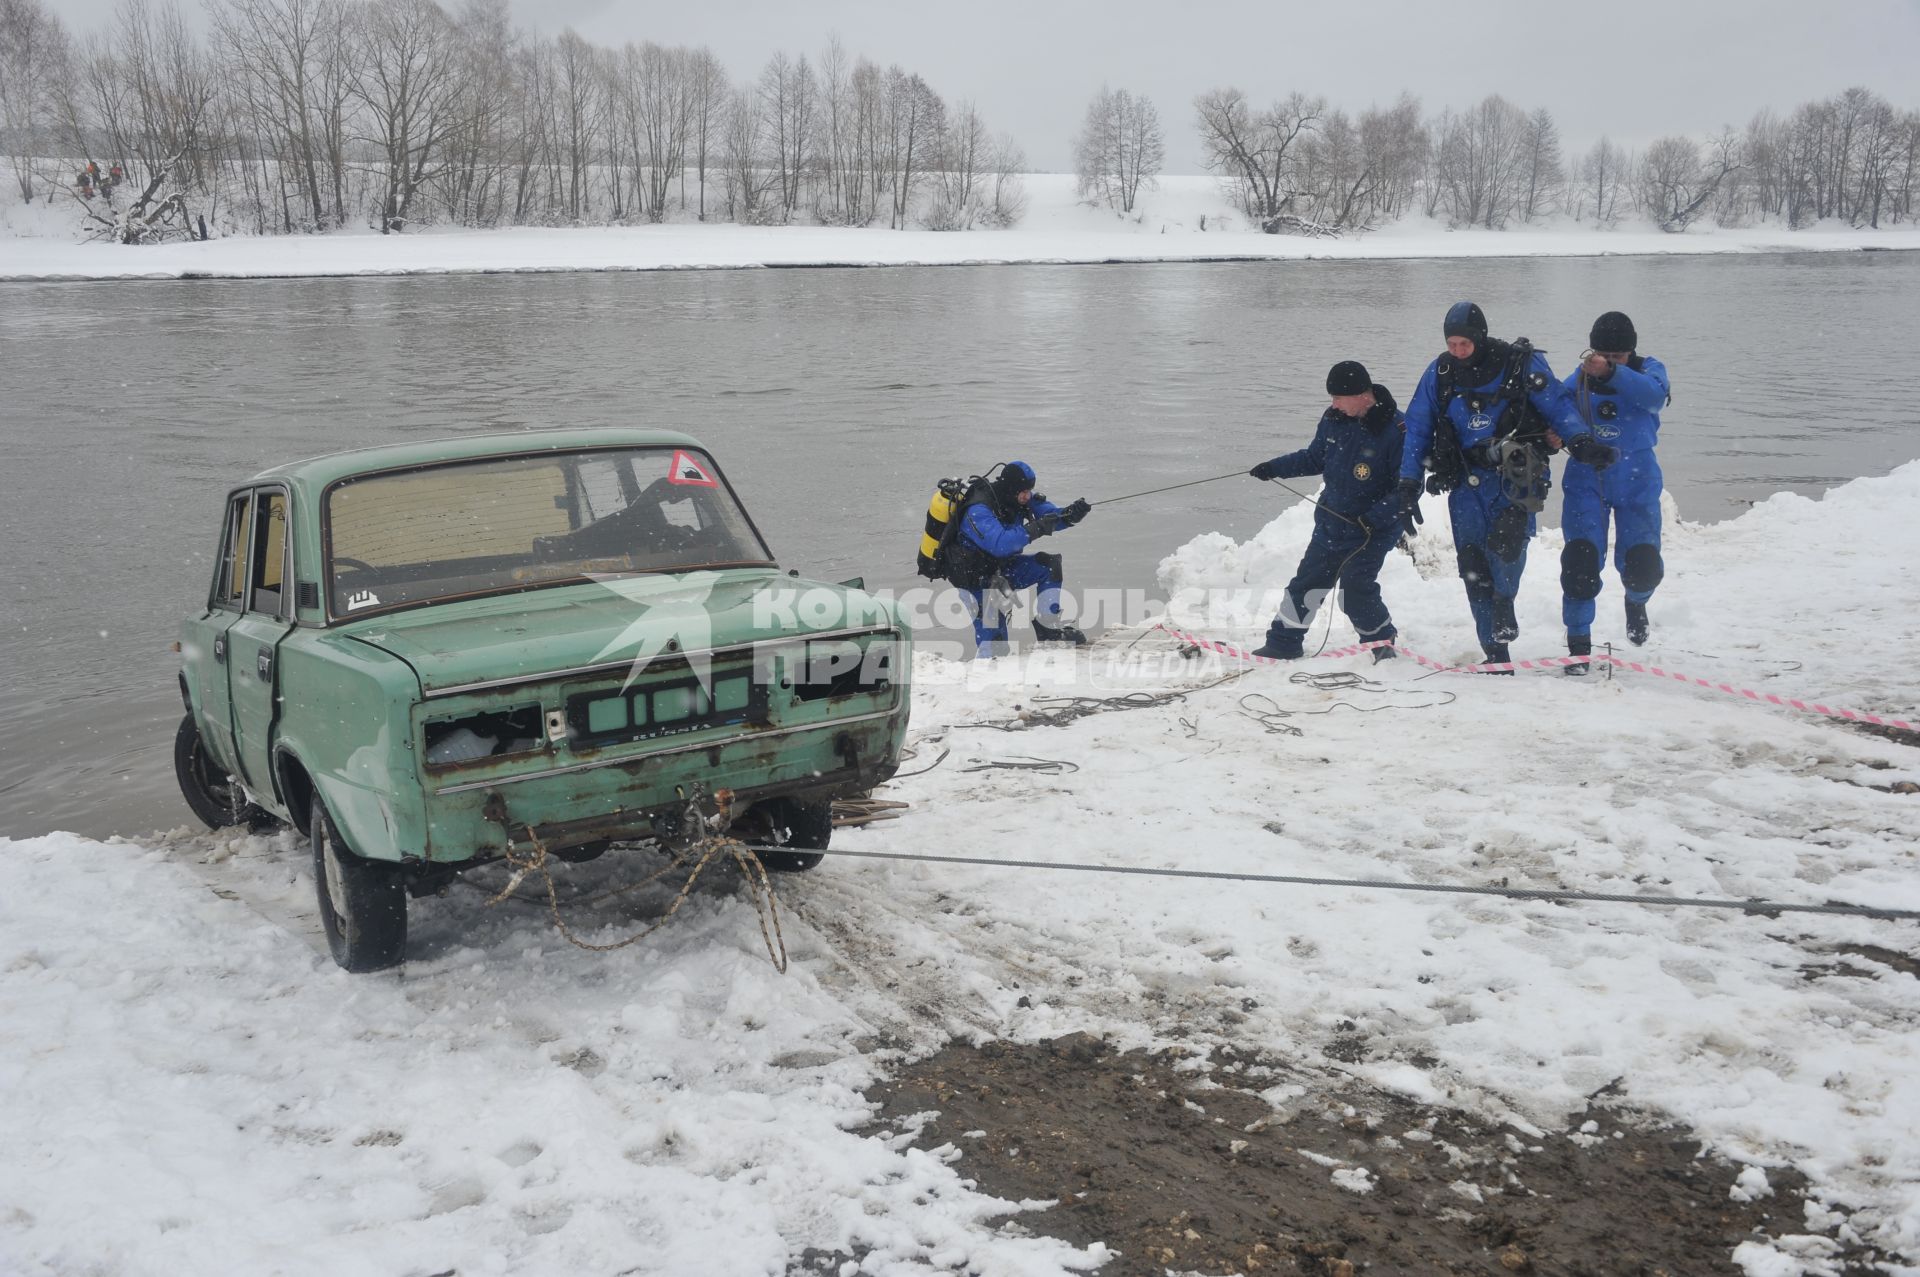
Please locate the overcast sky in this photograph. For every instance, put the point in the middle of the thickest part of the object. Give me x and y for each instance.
(1632, 69)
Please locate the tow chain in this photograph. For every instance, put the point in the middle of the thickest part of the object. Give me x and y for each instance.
(702, 852)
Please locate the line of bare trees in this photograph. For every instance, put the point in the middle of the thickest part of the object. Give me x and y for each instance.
(303, 115)
(1299, 164)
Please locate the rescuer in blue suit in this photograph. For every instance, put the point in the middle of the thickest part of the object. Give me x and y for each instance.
(1619, 395)
(1000, 520)
(1480, 420)
(1356, 446)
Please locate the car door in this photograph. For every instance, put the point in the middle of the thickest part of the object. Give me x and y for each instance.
(253, 641)
(205, 637)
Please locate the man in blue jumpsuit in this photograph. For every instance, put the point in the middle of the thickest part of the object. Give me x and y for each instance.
(1480, 420)
(999, 521)
(1356, 446)
(1619, 395)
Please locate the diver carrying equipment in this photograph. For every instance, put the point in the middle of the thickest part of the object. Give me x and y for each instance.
(1520, 423)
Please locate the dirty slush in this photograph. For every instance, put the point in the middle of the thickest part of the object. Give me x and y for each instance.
(1180, 1164)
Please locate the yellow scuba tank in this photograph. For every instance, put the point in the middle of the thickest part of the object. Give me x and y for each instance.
(942, 512)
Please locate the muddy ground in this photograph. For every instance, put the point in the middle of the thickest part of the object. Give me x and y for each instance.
(1183, 1165)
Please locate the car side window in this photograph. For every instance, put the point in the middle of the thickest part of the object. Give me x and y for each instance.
(268, 577)
(230, 584)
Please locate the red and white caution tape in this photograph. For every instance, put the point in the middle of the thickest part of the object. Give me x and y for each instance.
(1555, 662)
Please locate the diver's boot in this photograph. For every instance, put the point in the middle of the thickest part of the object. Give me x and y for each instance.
(1062, 633)
(1384, 654)
(1637, 628)
(1506, 626)
(1497, 654)
(1578, 645)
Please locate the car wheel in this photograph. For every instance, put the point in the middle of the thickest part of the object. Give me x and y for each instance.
(209, 790)
(794, 823)
(363, 903)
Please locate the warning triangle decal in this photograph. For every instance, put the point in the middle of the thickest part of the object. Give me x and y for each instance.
(687, 469)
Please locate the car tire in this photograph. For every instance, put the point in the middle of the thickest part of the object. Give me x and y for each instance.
(207, 787)
(794, 823)
(363, 903)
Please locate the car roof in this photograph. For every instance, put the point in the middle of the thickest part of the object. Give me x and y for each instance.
(317, 472)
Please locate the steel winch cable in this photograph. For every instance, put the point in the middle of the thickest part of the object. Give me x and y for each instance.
(1172, 487)
(1237, 474)
(1374, 884)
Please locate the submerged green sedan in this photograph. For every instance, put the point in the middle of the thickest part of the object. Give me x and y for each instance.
(429, 654)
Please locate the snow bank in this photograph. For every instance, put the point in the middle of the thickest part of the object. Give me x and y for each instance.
(188, 1076)
(1187, 219)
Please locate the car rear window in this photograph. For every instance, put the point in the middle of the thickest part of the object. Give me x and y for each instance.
(505, 523)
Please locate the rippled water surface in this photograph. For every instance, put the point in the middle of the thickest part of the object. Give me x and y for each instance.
(833, 398)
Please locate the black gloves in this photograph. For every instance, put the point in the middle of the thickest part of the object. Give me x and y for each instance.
(1410, 506)
(1590, 451)
(1436, 484)
(1263, 471)
(1077, 511)
(1043, 525)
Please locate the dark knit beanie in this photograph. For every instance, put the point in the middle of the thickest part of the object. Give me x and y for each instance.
(1348, 377)
(1465, 320)
(1613, 331)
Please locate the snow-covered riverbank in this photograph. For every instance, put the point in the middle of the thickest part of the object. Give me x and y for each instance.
(1187, 219)
(191, 1084)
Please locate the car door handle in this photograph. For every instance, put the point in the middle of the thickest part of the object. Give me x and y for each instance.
(264, 664)
(220, 650)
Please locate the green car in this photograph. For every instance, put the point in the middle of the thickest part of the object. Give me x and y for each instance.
(430, 654)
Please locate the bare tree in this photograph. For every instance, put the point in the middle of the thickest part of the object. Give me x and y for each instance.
(1257, 152)
(480, 144)
(405, 79)
(1396, 145)
(914, 121)
(1337, 175)
(788, 97)
(1119, 149)
(274, 51)
(1676, 181)
(706, 105)
(1006, 195)
(1482, 161)
(1603, 176)
(1545, 174)
(34, 56)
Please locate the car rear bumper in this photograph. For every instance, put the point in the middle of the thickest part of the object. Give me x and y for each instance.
(622, 798)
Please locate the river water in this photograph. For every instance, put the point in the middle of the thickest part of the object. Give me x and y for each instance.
(833, 398)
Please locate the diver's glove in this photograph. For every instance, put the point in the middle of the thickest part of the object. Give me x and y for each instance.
(1410, 518)
(1590, 451)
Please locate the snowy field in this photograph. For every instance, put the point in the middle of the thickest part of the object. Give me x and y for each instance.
(192, 1086)
(1186, 219)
